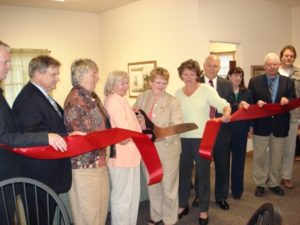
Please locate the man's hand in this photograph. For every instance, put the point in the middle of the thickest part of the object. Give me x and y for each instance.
(284, 101)
(261, 103)
(57, 142)
(244, 105)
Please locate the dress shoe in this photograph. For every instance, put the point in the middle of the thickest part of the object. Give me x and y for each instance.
(155, 223)
(277, 190)
(236, 197)
(223, 205)
(183, 213)
(259, 191)
(287, 183)
(203, 221)
(195, 203)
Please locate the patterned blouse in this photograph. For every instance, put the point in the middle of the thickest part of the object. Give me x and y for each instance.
(84, 112)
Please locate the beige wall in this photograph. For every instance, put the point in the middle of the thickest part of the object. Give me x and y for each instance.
(296, 32)
(69, 35)
(169, 31)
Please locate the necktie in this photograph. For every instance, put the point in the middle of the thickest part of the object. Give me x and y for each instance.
(271, 88)
(212, 111)
(53, 103)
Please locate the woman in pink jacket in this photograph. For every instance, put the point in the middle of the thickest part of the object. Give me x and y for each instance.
(124, 169)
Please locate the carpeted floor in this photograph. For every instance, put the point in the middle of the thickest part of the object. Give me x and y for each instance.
(241, 210)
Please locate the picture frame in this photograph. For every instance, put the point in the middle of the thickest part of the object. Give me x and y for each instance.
(257, 70)
(139, 73)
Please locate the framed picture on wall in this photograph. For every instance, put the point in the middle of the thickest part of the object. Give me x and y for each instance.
(139, 73)
(257, 70)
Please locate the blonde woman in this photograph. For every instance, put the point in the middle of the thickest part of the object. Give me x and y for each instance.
(124, 169)
(163, 110)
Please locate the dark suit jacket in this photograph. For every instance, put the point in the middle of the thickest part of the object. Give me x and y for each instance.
(277, 125)
(224, 89)
(9, 161)
(35, 113)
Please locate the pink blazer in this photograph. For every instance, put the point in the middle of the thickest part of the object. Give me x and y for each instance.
(122, 116)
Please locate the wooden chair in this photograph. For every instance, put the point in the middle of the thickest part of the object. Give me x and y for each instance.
(24, 201)
(267, 214)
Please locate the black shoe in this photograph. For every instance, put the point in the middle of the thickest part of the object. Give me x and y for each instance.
(156, 223)
(223, 205)
(195, 203)
(236, 197)
(183, 213)
(259, 191)
(203, 221)
(277, 190)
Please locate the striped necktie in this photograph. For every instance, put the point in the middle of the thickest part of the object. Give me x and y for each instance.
(53, 103)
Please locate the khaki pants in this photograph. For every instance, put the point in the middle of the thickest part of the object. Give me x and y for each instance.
(267, 158)
(89, 196)
(289, 151)
(164, 195)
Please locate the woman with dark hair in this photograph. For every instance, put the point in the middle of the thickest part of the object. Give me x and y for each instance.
(196, 100)
(240, 130)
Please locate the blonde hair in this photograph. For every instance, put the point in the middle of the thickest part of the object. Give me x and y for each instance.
(113, 78)
(159, 72)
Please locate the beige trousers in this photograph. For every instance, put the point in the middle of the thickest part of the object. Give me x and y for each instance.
(125, 195)
(289, 151)
(164, 195)
(267, 158)
(89, 196)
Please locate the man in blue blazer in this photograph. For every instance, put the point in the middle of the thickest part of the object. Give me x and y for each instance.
(36, 112)
(269, 133)
(9, 161)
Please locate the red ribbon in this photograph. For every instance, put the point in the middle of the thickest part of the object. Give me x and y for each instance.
(78, 145)
(253, 112)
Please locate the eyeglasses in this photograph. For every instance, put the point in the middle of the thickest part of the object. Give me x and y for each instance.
(160, 82)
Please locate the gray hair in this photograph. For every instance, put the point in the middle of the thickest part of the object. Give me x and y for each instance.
(41, 63)
(113, 78)
(79, 68)
(271, 55)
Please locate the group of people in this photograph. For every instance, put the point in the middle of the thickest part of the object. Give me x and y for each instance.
(111, 176)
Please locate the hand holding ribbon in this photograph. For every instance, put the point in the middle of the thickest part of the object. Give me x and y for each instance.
(252, 112)
(78, 145)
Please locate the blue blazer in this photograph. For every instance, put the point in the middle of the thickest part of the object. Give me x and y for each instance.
(276, 125)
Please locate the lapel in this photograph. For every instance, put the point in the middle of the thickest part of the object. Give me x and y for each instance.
(265, 87)
(46, 101)
(281, 88)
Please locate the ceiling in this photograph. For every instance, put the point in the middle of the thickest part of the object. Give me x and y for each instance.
(94, 6)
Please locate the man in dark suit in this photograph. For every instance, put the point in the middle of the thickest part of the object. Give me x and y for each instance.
(269, 133)
(222, 145)
(9, 161)
(36, 112)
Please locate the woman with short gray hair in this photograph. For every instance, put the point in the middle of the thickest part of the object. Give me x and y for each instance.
(89, 194)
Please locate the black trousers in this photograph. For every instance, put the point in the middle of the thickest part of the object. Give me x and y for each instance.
(221, 156)
(189, 155)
